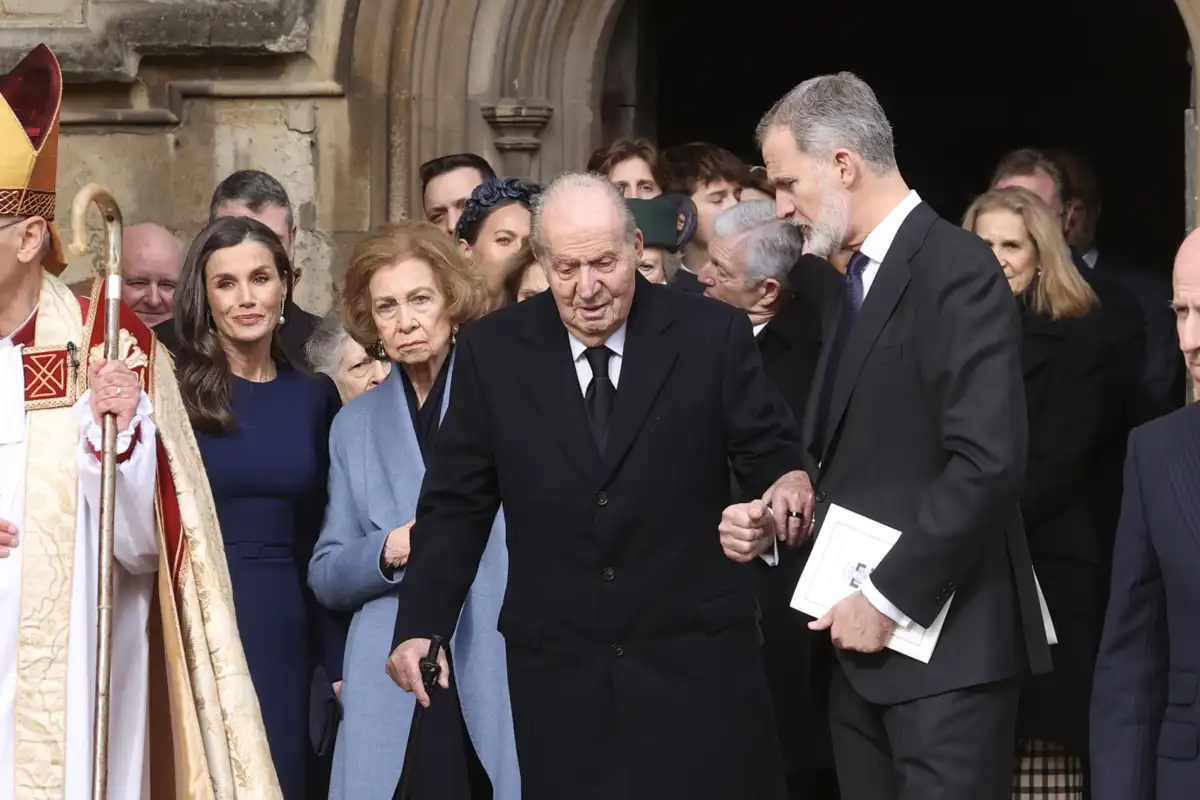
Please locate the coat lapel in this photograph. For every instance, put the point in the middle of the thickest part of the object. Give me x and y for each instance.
(886, 290)
(553, 385)
(394, 467)
(650, 354)
(809, 424)
(1185, 479)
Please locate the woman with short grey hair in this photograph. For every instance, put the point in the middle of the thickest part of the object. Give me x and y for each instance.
(333, 352)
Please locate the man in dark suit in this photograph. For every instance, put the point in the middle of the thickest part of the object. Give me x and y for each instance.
(604, 415)
(1145, 717)
(254, 194)
(917, 422)
(749, 258)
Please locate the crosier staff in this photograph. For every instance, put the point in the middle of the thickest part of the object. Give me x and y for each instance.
(102, 197)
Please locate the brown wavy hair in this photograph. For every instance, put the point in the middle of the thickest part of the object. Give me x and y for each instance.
(201, 364)
(1058, 289)
(458, 279)
(605, 158)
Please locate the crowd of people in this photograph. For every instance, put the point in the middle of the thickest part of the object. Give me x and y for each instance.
(585, 433)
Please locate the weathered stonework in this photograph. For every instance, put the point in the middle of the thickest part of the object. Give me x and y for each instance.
(339, 99)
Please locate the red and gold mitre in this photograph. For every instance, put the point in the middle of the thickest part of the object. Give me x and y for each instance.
(30, 99)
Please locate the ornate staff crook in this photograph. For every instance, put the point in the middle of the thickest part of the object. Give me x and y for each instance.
(102, 197)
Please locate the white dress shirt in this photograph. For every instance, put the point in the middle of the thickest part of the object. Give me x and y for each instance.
(616, 344)
(875, 247)
(759, 329)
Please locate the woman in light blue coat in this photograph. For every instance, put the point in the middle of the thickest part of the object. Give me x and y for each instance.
(407, 290)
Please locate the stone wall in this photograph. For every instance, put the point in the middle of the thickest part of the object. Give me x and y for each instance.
(164, 98)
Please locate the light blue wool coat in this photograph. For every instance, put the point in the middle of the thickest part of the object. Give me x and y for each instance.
(374, 480)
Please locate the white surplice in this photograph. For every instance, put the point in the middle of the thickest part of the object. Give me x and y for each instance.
(136, 549)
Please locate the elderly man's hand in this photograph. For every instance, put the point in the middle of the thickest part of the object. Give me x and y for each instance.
(747, 530)
(404, 667)
(791, 501)
(115, 389)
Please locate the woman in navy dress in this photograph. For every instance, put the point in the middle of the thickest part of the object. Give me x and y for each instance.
(263, 430)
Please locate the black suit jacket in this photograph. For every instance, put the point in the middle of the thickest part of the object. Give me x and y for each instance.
(1063, 363)
(1162, 380)
(927, 434)
(1145, 719)
(790, 345)
(632, 646)
(687, 282)
(292, 336)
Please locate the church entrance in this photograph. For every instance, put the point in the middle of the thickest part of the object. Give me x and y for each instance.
(963, 83)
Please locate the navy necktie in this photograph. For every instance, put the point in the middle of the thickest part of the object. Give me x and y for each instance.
(852, 298)
(600, 394)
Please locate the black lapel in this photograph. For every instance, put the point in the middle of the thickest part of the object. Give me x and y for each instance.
(553, 384)
(886, 290)
(648, 357)
(1185, 476)
(809, 423)
(1041, 338)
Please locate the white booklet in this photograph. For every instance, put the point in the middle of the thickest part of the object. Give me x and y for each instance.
(848, 547)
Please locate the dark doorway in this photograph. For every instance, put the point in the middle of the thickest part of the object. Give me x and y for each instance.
(962, 82)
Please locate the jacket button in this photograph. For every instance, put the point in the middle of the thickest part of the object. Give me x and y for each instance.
(820, 497)
(602, 499)
(609, 573)
(618, 651)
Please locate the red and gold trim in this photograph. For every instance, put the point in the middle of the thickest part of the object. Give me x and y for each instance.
(27, 203)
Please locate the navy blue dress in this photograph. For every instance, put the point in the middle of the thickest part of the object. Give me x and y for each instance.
(269, 478)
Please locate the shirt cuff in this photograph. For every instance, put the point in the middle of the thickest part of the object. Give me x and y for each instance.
(883, 605)
(126, 439)
(771, 557)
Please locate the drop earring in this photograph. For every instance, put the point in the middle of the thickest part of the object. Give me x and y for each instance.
(282, 318)
(454, 335)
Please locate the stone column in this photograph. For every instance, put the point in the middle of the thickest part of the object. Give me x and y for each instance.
(517, 127)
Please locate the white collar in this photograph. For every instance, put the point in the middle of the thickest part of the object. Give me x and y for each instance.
(877, 244)
(616, 343)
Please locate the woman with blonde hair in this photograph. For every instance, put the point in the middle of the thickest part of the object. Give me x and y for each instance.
(407, 291)
(1062, 364)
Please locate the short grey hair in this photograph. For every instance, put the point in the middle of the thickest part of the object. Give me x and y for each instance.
(835, 111)
(770, 246)
(324, 348)
(570, 181)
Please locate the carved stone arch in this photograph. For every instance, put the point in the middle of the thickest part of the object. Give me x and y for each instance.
(514, 80)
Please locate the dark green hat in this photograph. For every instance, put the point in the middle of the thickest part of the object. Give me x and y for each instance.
(658, 220)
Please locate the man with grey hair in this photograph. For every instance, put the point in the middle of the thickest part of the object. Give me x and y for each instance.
(749, 259)
(917, 422)
(603, 415)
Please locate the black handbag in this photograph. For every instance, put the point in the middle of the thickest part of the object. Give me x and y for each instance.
(324, 713)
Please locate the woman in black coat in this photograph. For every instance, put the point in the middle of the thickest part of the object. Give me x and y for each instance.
(1062, 364)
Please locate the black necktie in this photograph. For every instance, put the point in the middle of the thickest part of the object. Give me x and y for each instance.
(600, 394)
(852, 298)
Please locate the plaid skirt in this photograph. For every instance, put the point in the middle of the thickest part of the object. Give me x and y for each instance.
(1045, 770)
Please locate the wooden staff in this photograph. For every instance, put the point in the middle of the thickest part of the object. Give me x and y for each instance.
(102, 197)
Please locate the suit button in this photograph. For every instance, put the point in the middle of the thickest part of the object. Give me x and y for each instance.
(618, 651)
(609, 573)
(820, 497)
(602, 499)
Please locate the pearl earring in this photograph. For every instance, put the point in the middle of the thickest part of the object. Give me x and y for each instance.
(282, 318)
(454, 335)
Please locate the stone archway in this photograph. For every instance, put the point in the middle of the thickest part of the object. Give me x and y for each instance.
(517, 81)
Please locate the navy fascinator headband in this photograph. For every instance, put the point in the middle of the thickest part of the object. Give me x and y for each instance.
(488, 196)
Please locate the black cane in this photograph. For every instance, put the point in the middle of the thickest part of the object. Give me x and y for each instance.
(429, 676)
